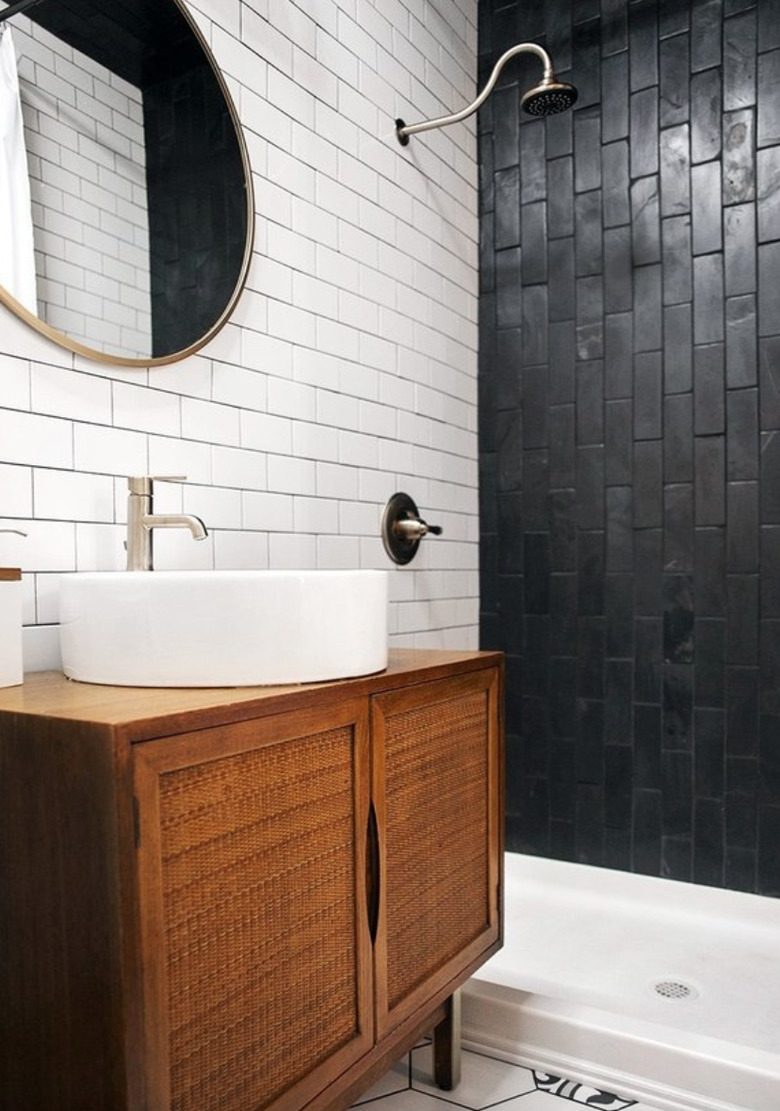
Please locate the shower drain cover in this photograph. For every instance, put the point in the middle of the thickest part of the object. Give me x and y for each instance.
(675, 990)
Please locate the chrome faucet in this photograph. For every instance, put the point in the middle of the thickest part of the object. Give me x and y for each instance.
(141, 520)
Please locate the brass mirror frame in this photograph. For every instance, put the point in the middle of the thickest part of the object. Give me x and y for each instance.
(96, 355)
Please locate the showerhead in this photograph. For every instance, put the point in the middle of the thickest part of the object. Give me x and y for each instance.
(548, 98)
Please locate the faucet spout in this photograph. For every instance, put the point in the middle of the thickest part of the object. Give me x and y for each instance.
(141, 521)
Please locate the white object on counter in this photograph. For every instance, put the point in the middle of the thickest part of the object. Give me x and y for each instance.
(11, 673)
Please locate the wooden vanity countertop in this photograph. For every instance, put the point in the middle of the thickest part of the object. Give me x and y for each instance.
(144, 712)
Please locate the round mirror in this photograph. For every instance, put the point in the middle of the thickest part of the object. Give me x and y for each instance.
(137, 176)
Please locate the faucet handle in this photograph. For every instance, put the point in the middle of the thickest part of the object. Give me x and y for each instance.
(143, 484)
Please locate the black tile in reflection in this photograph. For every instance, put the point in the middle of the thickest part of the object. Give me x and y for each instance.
(618, 442)
(677, 858)
(677, 780)
(710, 731)
(678, 526)
(742, 535)
(710, 470)
(647, 659)
(678, 265)
(675, 154)
(708, 841)
(770, 478)
(768, 172)
(620, 548)
(770, 667)
(534, 315)
(587, 151)
(741, 867)
(618, 713)
(769, 759)
(535, 489)
(590, 742)
(645, 229)
(563, 514)
(739, 61)
(590, 403)
(533, 179)
(561, 436)
(674, 104)
(618, 270)
(648, 556)
(536, 573)
(742, 703)
(615, 183)
(561, 359)
(647, 395)
(742, 435)
(614, 98)
(535, 738)
(536, 655)
(706, 102)
(706, 17)
(563, 704)
(590, 659)
(708, 324)
(619, 355)
(560, 197)
(563, 781)
(507, 208)
(739, 168)
(710, 565)
(678, 438)
(643, 36)
(709, 389)
(648, 484)
(510, 542)
(618, 603)
(587, 221)
(678, 707)
(647, 832)
(768, 284)
(739, 246)
(590, 568)
(647, 323)
(509, 604)
(770, 579)
(614, 26)
(768, 127)
(647, 745)
(589, 825)
(533, 222)
(742, 626)
(590, 486)
(678, 619)
(710, 662)
(562, 296)
(678, 353)
(618, 771)
(644, 132)
(706, 207)
(563, 615)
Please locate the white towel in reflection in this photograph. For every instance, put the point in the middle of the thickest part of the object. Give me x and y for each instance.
(17, 259)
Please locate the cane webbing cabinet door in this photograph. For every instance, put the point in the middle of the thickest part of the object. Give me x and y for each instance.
(257, 965)
(436, 782)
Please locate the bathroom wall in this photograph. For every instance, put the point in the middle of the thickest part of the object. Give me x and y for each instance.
(348, 370)
(84, 139)
(630, 435)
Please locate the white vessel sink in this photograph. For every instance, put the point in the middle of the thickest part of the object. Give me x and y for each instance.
(222, 628)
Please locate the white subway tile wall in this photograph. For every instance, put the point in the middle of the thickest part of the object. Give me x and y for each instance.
(348, 370)
(84, 137)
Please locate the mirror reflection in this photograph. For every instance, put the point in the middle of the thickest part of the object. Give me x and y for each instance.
(136, 176)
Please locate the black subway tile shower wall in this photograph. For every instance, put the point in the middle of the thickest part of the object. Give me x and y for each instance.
(630, 434)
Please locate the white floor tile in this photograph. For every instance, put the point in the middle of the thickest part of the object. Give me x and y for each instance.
(397, 1080)
(484, 1080)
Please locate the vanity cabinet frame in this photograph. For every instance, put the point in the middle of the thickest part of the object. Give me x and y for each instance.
(85, 789)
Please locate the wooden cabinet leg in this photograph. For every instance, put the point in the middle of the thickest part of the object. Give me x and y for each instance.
(446, 1046)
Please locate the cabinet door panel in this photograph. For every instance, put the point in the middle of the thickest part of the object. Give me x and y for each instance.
(436, 777)
(257, 954)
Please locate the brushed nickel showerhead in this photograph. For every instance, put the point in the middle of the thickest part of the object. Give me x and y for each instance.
(548, 97)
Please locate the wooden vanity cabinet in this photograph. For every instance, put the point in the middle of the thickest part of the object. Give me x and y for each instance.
(245, 899)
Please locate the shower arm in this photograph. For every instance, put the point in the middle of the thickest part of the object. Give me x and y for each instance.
(403, 130)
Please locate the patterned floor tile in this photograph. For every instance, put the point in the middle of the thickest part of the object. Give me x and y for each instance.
(484, 1080)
